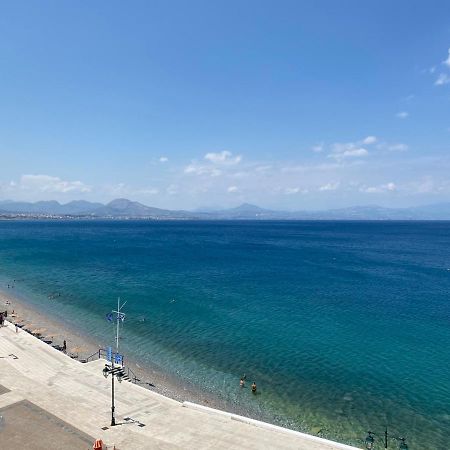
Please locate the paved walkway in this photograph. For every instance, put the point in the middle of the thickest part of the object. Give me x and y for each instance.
(77, 397)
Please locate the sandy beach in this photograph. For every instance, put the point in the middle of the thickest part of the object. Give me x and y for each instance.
(49, 401)
(85, 346)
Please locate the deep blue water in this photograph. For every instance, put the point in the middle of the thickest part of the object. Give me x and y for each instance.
(344, 325)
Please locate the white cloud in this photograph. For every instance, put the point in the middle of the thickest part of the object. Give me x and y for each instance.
(447, 61)
(388, 187)
(217, 162)
(290, 191)
(196, 169)
(369, 140)
(232, 189)
(397, 147)
(163, 159)
(224, 157)
(402, 115)
(47, 183)
(355, 152)
(351, 149)
(442, 79)
(342, 151)
(329, 186)
(317, 148)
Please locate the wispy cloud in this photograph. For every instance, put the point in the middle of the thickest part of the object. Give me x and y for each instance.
(197, 169)
(402, 115)
(447, 61)
(442, 79)
(232, 189)
(341, 151)
(330, 186)
(224, 157)
(387, 187)
(397, 147)
(318, 148)
(369, 140)
(47, 183)
(349, 150)
(163, 159)
(215, 164)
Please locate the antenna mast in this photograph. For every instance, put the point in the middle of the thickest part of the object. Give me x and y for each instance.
(120, 317)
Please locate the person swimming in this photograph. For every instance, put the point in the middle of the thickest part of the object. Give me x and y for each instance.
(242, 383)
(254, 387)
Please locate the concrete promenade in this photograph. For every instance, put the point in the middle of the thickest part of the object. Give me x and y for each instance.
(49, 401)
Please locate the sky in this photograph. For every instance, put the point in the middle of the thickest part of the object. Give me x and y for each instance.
(208, 104)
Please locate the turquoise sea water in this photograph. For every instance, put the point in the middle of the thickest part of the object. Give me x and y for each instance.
(344, 326)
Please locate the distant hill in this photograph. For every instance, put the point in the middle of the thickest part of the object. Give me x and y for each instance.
(50, 207)
(123, 208)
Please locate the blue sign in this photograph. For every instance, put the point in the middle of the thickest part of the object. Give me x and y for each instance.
(109, 353)
(118, 358)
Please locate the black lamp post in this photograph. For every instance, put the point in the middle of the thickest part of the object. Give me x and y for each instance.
(115, 374)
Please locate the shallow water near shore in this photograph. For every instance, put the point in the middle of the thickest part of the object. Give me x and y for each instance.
(344, 326)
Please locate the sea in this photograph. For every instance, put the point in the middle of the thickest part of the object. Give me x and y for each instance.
(344, 326)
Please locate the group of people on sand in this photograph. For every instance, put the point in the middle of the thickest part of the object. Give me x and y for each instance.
(242, 383)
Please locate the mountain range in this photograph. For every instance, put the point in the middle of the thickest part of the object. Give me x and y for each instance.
(126, 209)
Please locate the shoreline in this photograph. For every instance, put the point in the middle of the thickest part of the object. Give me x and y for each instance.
(79, 409)
(162, 383)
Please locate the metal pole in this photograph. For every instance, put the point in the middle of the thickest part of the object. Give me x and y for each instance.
(117, 321)
(385, 438)
(113, 418)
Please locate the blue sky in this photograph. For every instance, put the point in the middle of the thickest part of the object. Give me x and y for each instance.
(286, 104)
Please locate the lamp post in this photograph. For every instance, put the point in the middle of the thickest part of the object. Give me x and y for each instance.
(369, 441)
(115, 373)
(111, 370)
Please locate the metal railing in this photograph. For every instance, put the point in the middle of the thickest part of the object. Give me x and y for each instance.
(131, 375)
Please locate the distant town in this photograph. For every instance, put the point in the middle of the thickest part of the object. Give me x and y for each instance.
(124, 209)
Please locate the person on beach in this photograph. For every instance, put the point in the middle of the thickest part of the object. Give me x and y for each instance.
(17, 328)
(2, 319)
(64, 346)
(242, 383)
(254, 388)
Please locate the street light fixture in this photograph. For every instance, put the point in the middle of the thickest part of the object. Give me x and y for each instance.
(115, 373)
(117, 316)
